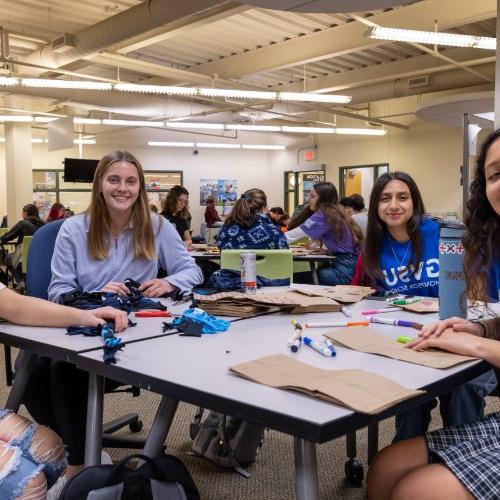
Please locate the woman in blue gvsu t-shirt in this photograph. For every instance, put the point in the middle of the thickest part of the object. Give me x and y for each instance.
(401, 255)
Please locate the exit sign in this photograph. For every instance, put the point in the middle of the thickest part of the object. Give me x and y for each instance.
(309, 154)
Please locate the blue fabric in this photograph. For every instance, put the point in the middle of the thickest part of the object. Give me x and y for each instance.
(341, 272)
(262, 235)
(464, 404)
(425, 281)
(229, 279)
(73, 267)
(211, 324)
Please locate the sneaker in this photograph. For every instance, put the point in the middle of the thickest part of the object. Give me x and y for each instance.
(105, 458)
(55, 492)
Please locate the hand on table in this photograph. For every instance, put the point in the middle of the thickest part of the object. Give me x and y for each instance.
(156, 288)
(116, 287)
(318, 251)
(456, 324)
(458, 342)
(99, 316)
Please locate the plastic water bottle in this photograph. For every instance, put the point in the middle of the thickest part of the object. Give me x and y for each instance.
(452, 296)
(248, 271)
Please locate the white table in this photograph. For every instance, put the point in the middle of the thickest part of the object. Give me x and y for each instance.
(195, 370)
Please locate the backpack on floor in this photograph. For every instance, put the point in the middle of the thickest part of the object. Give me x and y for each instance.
(162, 478)
(227, 441)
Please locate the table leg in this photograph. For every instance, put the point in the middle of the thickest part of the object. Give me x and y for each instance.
(93, 436)
(24, 367)
(372, 441)
(314, 272)
(306, 470)
(161, 425)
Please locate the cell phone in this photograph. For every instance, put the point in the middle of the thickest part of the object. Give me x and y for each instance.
(381, 295)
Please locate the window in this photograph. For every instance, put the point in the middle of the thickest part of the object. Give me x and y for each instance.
(49, 186)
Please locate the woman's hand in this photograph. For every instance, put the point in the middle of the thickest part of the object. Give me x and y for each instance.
(115, 287)
(156, 288)
(457, 324)
(94, 317)
(457, 342)
(318, 251)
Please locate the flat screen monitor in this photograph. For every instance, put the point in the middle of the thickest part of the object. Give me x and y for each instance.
(79, 170)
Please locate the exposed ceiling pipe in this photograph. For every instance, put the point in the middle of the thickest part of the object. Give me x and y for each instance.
(127, 24)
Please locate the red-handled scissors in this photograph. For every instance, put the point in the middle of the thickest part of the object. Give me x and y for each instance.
(152, 313)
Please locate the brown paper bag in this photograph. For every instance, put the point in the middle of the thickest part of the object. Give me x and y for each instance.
(423, 306)
(348, 294)
(356, 389)
(364, 339)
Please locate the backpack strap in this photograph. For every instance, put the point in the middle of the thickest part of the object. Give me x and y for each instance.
(224, 442)
(117, 474)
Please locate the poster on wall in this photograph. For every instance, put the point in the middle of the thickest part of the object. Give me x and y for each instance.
(224, 191)
(308, 182)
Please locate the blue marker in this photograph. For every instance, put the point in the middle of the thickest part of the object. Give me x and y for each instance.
(330, 346)
(321, 348)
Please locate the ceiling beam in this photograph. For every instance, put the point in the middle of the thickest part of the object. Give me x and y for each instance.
(348, 38)
(405, 68)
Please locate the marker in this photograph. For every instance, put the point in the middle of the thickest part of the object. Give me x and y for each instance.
(338, 323)
(321, 348)
(330, 346)
(396, 322)
(346, 311)
(380, 311)
(403, 340)
(295, 341)
(405, 302)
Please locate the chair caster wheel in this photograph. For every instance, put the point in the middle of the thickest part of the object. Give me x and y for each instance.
(354, 472)
(135, 426)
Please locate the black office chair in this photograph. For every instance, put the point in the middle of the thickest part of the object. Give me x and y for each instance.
(38, 276)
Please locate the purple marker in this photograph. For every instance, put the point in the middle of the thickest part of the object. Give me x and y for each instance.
(395, 322)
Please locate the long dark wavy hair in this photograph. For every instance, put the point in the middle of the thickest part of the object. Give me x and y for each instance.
(247, 208)
(482, 236)
(377, 228)
(170, 203)
(338, 220)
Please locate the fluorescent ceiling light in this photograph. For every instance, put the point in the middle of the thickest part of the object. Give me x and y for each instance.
(196, 125)
(45, 119)
(36, 140)
(132, 123)
(486, 116)
(254, 128)
(171, 90)
(65, 84)
(86, 121)
(16, 118)
(360, 131)
(431, 37)
(213, 145)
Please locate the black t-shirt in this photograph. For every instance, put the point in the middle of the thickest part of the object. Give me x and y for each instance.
(178, 222)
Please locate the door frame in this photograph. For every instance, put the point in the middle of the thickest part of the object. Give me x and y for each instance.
(343, 170)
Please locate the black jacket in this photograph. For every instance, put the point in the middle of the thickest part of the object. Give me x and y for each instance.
(25, 227)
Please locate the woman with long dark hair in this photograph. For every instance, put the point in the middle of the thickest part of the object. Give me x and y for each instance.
(337, 231)
(56, 212)
(401, 254)
(176, 211)
(248, 226)
(457, 462)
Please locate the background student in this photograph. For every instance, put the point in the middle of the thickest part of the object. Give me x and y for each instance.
(175, 210)
(459, 462)
(354, 205)
(118, 237)
(400, 255)
(330, 224)
(56, 212)
(248, 226)
(212, 217)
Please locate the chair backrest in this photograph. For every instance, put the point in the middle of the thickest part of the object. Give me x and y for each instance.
(24, 252)
(38, 270)
(203, 231)
(274, 264)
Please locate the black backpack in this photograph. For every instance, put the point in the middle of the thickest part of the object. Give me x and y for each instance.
(162, 478)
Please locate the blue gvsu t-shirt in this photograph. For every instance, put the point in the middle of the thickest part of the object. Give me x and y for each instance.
(395, 256)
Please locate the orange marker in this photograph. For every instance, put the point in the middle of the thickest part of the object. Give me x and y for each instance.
(338, 323)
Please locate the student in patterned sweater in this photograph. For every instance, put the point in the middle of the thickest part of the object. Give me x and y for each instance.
(459, 462)
(248, 226)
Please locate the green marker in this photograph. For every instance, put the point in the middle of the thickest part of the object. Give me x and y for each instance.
(403, 339)
(405, 302)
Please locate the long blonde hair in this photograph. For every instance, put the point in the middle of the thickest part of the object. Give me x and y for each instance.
(100, 224)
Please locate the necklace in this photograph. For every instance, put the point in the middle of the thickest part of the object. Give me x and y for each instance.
(400, 262)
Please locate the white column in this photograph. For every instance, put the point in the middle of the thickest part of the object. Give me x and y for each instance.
(497, 72)
(18, 165)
